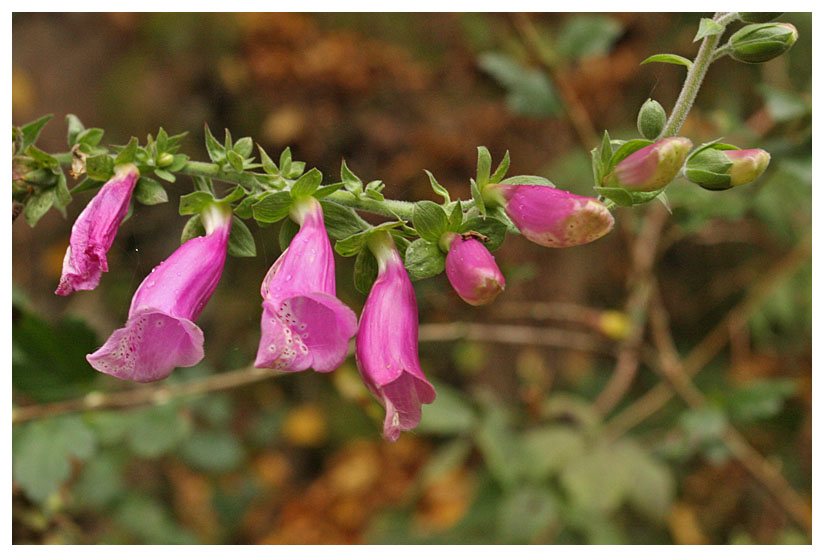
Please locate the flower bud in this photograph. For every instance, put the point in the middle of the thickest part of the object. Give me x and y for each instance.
(759, 17)
(651, 120)
(762, 42)
(472, 270)
(165, 160)
(650, 168)
(721, 166)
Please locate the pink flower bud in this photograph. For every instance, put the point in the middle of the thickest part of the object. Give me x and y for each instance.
(552, 217)
(472, 270)
(95, 230)
(650, 168)
(386, 346)
(160, 333)
(748, 165)
(303, 324)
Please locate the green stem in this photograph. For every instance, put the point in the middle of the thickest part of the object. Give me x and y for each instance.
(694, 78)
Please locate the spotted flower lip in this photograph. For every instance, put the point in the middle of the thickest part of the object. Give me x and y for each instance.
(472, 270)
(94, 231)
(160, 333)
(552, 217)
(650, 168)
(386, 347)
(303, 324)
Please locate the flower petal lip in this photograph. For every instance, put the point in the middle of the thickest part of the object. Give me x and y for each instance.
(386, 347)
(472, 271)
(554, 218)
(652, 167)
(160, 333)
(94, 232)
(303, 324)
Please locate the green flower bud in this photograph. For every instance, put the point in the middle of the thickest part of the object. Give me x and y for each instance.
(165, 160)
(651, 120)
(720, 166)
(762, 42)
(759, 17)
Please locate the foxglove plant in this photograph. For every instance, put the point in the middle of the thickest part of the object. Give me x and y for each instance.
(160, 333)
(472, 270)
(386, 347)
(303, 324)
(94, 231)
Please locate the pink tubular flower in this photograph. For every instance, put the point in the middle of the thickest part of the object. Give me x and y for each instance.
(303, 324)
(95, 230)
(472, 270)
(160, 334)
(650, 168)
(551, 217)
(386, 347)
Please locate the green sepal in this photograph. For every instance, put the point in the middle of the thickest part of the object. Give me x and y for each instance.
(62, 195)
(352, 183)
(627, 198)
(30, 132)
(178, 162)
(285, 162)
(243, 147)
(269, 165)
(708, 27)
(353, 244)
(234, 195)
(86, 184)
(456, 215)
(325, 191)
(90, 136)
(235, 160)
(217, 153)
(100, 167)
(244, 209)
(438, 188)
(429, 220)
(668, 59)
(241, 244)
(195, 202)
(528, 179)
(478, 200)
(149, 191)
(289, 229)
(485, 163)
(502, 168)
(75, 127)
(424, 259)
(165, 175)
(272, 207)
(342, 222)
(192, 229)
(708, 180)
(127, 154)
(37, 206)
(492, 229)
(365, 271)
(307, 184)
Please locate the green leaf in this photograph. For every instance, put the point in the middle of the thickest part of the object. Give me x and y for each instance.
(307, 184)
(651, 486)
(192, 229)
(285, 162)
(429, 220)
(244, 209)
(216, 151)
(37, 206)
(237, 193)
(272, 207)
(547, 450)
(31, 131)
(456, 216)
(235, 160)
(499, 446)
(289, 229)
(351, 245)
(195, 202)
(243, 147)
(75, 127)
(374, 195)
(90, 136)
(529, 91)
(42, 451)
(269, 165)
(423, 259)
(594, 482)
(759, 399)
(42, 157)
(100, 167)
(86, 184)
(583, 36)
(485, 162)
(150, 192)
(127, 154)
(704, 424)
(438, 188)
(351, 182)
(325, 191)
(342, 222)
(708, 27)
(494, 230)
(157, 430)
(528, 179)
(101, 481)
(241, 244)
(213, 451)
(527, 513)
(365, 271)
(619, 195)
(502, 169)
(62, 195)
(669, 59)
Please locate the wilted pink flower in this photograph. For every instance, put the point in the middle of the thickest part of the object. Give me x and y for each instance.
(552, 217)
(472, 270)
(95, 230)
(160, 333)
(386, 347)
(303, 324)
(651, 167)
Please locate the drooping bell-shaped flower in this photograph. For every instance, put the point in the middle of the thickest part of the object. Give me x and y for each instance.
(160, 333)
(721, 166)
(472, 270)
(303, 324)
(551, 217)
(386, 347)
(650, 168)
(95, 230)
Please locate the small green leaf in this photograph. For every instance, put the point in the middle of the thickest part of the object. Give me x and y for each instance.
(244, 209)
(669, 59)
(456, 216)
(438, 188)
(365, 271)
(42, 157)
(192, 229)
(237, 193)
(194, 202)
(150, 192)
(269, 165)
(353, 244)
(272, 207)
(429, 220)
(285, 162)
(708, 27)
(37, 206)
(75, 128)
(216, 151)
(241, 243)
(307, 184)
(475, 192)
(90, 136)
(351, 182)
(31, 131)
(289, 229)
(528, 179)
(423, 259)
(606, 152)
(325, 191)
(127, 154)
(342, 222)
(485, 163)
(525, 513)
(165, 175)
(100, 167)
(215, 451)
(502, 168)
(374, 195)
(157, 430)
(235, 160)
(243, 147)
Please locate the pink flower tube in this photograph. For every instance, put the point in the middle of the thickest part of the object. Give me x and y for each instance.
(303, 324)
(552, 217)
(160, 333)
(472, 270)
(386, 347)
(95, 230)
(652, 167)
